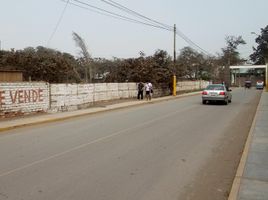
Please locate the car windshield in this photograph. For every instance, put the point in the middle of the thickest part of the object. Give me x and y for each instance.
(215, 87)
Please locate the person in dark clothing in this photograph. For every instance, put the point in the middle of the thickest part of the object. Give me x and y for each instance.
(140, 90)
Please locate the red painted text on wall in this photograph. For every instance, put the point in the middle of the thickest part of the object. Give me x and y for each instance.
(22, 96)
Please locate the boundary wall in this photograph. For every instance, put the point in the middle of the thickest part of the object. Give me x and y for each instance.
(23, 97)
(191, 85)
(66, 97)
(34, 97)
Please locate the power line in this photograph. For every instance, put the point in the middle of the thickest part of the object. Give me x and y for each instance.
(58, 23)
(179, 33)
(118, 15)
(191, 43)
(108, 15)
(183, 36)
(134, 13)
(151, 22)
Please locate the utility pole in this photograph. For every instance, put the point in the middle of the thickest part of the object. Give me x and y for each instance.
(174, 64)
(266, 69)
(174, 45)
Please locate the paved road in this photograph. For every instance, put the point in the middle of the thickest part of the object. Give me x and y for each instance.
(156, 151)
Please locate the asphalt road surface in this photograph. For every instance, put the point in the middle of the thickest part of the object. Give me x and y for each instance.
(177, 149)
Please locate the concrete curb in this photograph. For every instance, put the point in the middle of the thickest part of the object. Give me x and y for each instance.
(241, 167)
(84, 112)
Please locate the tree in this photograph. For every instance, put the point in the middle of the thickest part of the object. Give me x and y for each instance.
(230, 56)
(261, 51)
(162, 64)
(86, 56)
(156, 69)
(41, 64)
(213, 69)
(190, 63)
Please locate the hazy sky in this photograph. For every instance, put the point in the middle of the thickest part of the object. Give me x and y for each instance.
(27, 23)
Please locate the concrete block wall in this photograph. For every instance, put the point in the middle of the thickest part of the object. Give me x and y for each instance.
(66, 97)
(28, 97)
(112, 91)
(23, 98)
(191, 85)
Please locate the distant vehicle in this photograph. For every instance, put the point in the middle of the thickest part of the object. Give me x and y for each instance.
(248, 84)
(215, 93)
(259, 85)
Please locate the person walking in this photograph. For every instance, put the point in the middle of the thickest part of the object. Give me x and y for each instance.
(148, 90)
(140, 90)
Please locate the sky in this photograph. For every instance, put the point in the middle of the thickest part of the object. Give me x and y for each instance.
(32, 23)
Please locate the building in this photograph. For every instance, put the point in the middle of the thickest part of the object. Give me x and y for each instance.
(253, 73)
(11, 76)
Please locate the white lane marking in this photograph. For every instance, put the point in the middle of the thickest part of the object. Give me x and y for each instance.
(87, 144)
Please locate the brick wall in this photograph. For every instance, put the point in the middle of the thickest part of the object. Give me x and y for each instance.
(23, 98)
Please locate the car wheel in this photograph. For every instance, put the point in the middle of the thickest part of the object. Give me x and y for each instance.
(204, 101)
(226, 102)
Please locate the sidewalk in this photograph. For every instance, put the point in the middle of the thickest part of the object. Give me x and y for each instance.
(251, 181)
(46, 118)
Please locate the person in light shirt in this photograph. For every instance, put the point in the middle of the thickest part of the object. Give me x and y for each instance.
(148, 90)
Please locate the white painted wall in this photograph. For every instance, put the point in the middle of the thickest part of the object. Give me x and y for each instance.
(29, 97)
(22, 98)
(74, 96)
(191, 85)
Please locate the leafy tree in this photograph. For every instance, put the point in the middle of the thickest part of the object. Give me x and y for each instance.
(41, 64)
(103, 67)
(230, 56)
(190, 63)
(44, 64)
(261, 51)
(156, 68)
(163, 67)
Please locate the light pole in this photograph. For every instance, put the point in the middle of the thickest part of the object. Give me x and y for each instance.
(265, 59)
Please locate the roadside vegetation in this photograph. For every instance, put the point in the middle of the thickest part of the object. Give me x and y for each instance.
(44, 64)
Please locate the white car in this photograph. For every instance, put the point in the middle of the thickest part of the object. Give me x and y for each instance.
(215, 93)
(259, 85)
